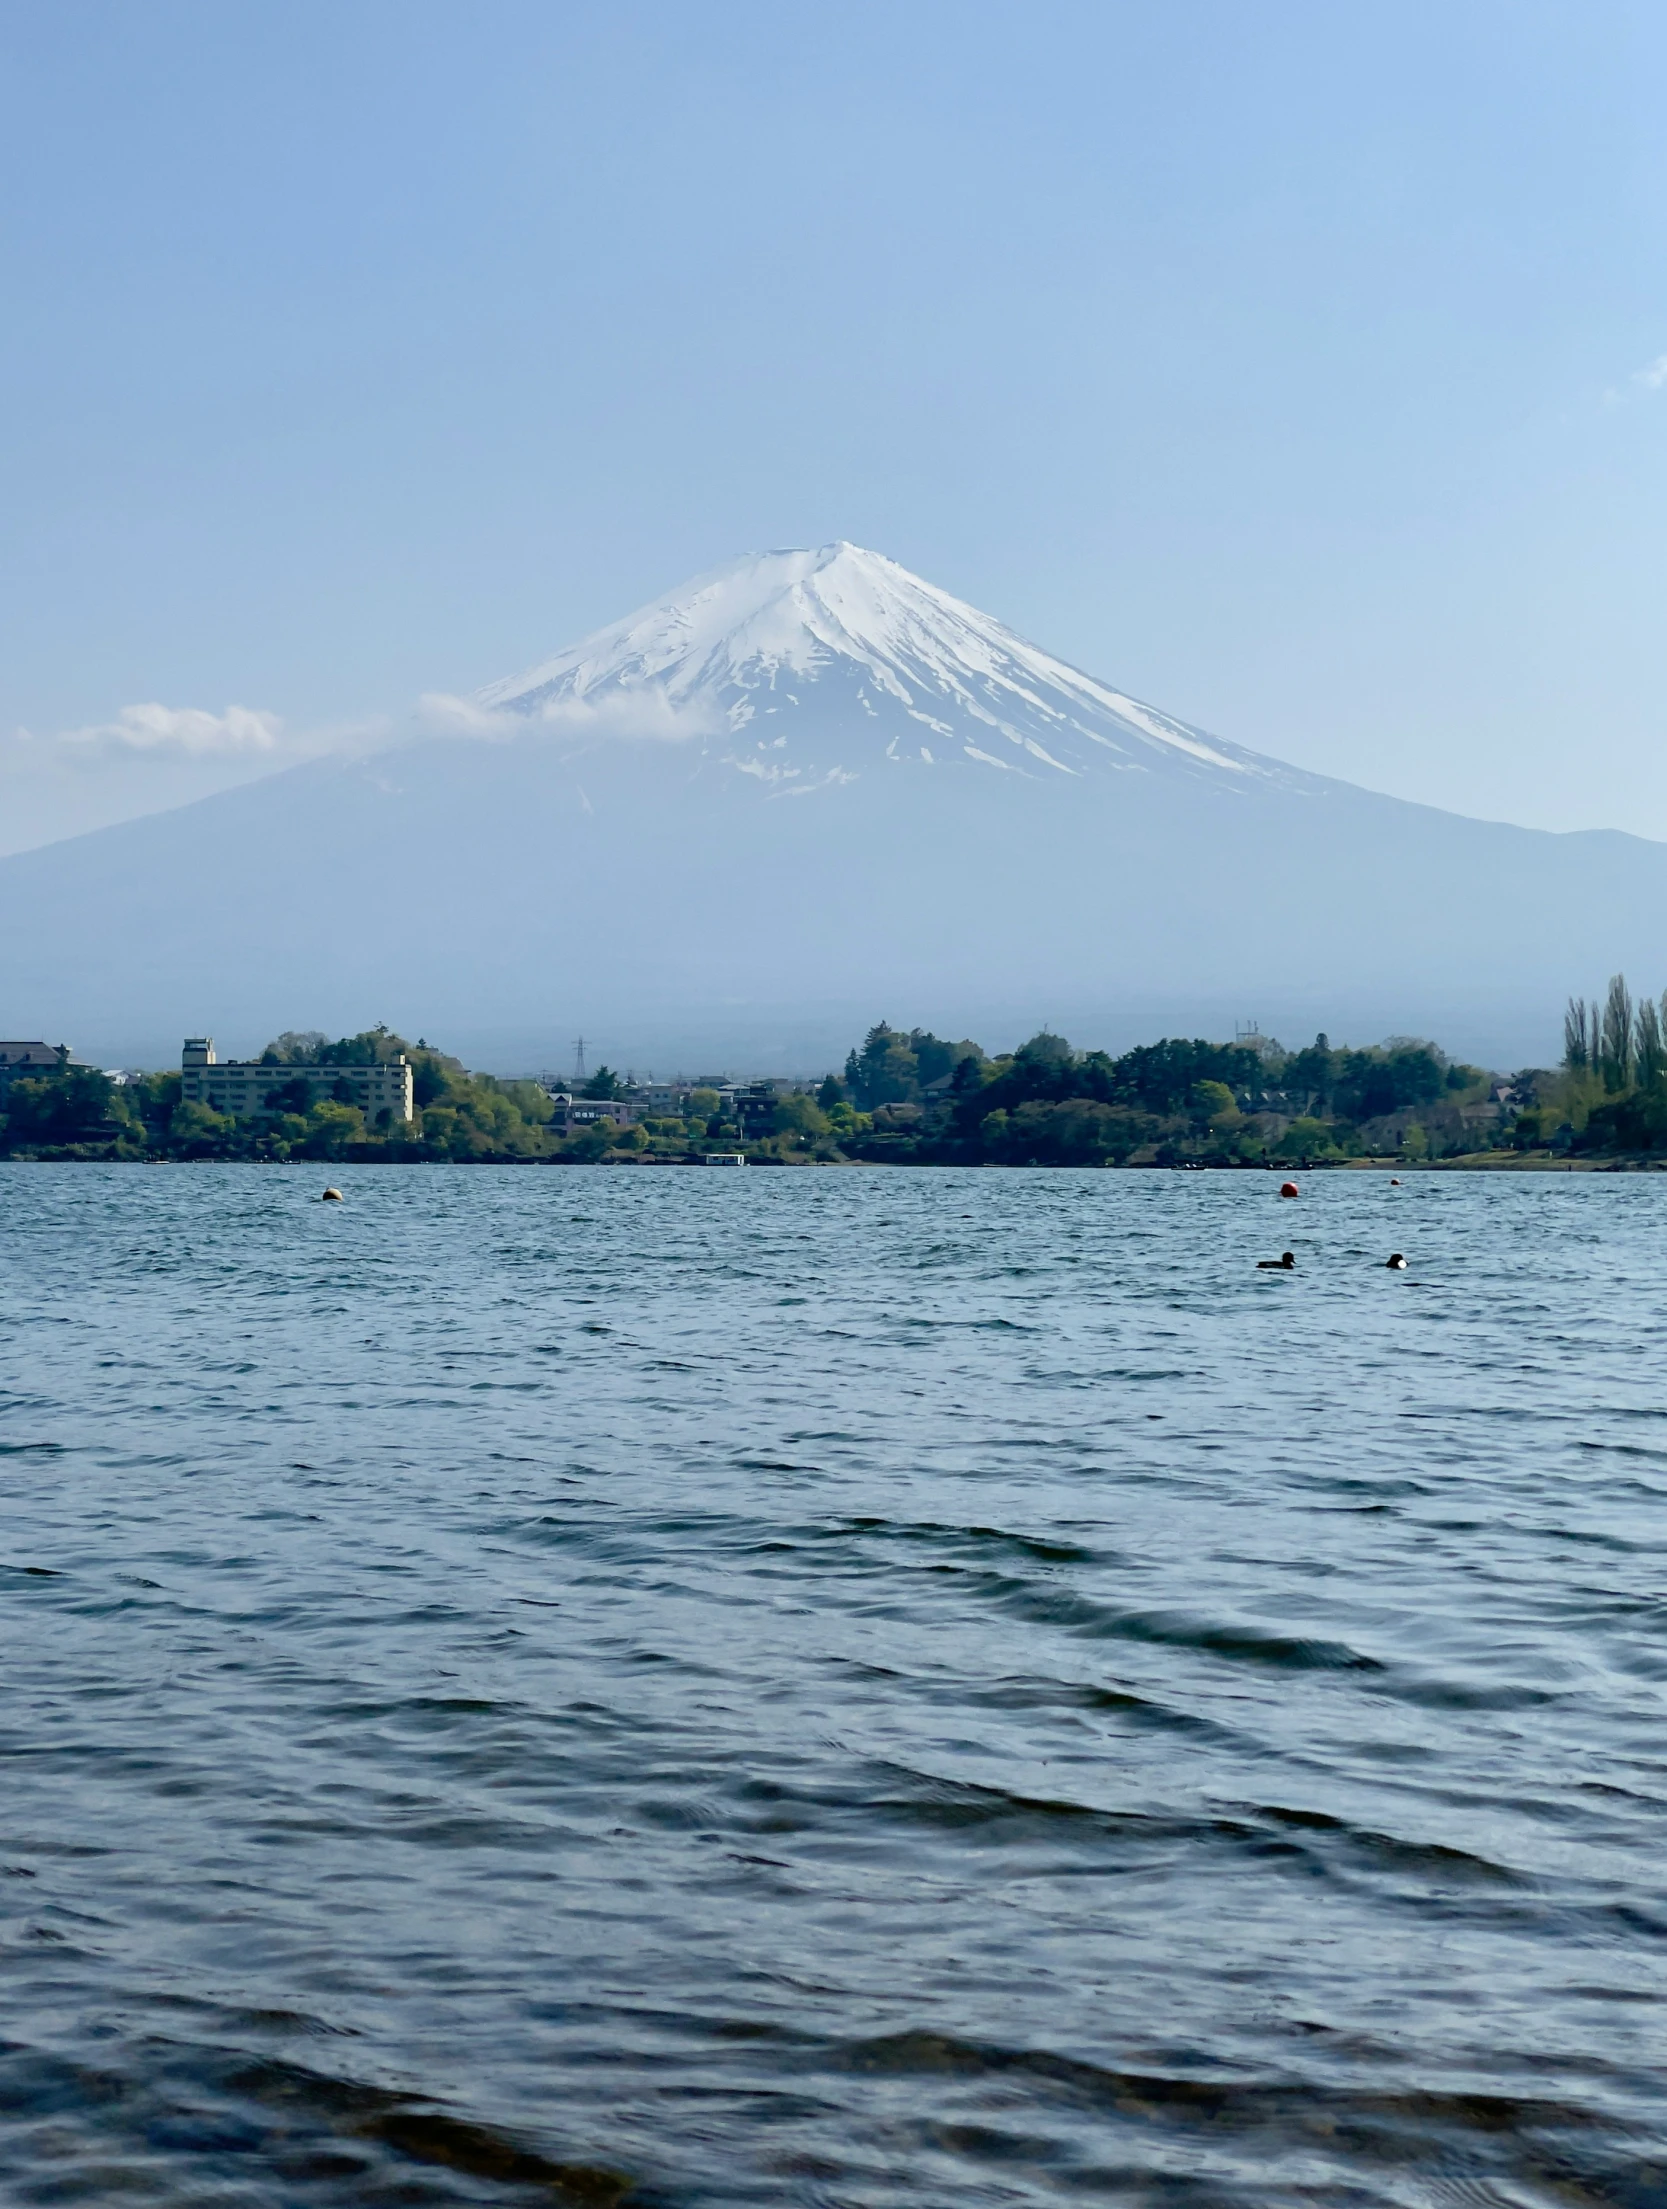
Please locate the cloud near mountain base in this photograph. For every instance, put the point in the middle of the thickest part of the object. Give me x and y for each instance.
(647, 713)
(180, 731)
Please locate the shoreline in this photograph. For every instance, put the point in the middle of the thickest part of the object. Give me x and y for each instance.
(1465, 1162)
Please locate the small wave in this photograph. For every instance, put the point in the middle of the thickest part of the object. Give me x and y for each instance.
(1239, 1643)
(979, 1540)
(1424, 1860)
(1141, 1712)
(430, 2136)
(1555, 2147)
(227, 2117)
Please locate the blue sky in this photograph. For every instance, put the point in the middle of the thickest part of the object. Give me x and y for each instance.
(1288, 365)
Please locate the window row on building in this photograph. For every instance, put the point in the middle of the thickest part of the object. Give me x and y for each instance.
(249, 1090)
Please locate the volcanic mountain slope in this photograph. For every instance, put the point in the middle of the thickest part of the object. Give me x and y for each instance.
(804, 791)
(805, 667)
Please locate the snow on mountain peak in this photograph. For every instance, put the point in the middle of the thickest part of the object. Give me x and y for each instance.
(804, 666)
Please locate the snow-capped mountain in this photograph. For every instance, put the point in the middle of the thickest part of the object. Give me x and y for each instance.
(798, 667)
(988, 838)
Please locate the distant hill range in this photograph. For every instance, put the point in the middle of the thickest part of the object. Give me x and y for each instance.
(804, 792)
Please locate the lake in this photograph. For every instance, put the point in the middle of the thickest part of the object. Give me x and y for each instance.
(832, 1687)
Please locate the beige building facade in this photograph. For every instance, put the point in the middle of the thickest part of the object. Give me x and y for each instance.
(246, 1089)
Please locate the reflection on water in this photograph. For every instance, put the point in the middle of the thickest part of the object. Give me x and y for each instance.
(834, 1688)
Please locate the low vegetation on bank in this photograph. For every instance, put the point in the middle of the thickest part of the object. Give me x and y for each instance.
(911, 1097)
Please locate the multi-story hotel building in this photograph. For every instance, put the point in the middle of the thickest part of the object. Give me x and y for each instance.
(248, 1090)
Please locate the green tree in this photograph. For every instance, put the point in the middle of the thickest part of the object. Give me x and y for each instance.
(1576, 1052)
(1307, 1138)
(1311, 1076)
(197, 1132)
(1045, 1049)
(590, 1142)
(1650, 1048)
(295, 1047)
(1369, 1084)
(935, 1058)
(331, 1126)
(290, 1097)
(801, 1117)
(1615, 1050)
(1076, 1131)
(884, 1071)
(1533, 1125)
(1214, 1103)
(72, 1105)
(531, 1101)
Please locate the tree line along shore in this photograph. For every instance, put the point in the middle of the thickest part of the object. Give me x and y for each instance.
(908, 1097)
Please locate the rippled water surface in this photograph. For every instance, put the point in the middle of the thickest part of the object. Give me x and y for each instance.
(831, 1687)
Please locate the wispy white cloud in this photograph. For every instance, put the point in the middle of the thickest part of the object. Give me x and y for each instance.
(647, 712)
(180, 732)
(246, 733)
(241, 737)
(67, 782)
(1642, 381)
(439, 713)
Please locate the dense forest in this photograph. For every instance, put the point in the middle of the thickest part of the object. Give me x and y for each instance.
(1175, 1102)
(1253, 1102)
(911, 1097)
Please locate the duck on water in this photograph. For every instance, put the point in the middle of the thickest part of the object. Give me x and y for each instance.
(1286, 1263)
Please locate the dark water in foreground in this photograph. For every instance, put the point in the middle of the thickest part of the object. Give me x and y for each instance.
(831, 1687)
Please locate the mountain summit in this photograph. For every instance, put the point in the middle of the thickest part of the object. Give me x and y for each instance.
(979, 838)
(799, 667)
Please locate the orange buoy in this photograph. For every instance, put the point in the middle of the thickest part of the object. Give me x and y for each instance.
(1289, 1189)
